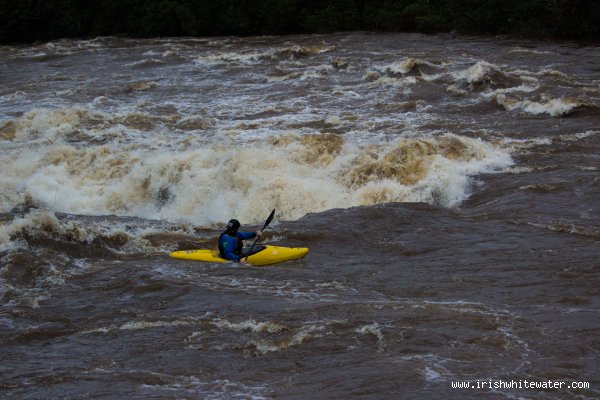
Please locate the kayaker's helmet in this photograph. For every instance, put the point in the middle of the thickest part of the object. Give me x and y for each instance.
(233, 225)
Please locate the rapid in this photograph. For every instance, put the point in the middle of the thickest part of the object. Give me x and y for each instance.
(447, 187)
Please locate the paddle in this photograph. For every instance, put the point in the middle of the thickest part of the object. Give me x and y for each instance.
(267, 222)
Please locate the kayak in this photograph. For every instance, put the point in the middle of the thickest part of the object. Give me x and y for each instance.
(264, 256)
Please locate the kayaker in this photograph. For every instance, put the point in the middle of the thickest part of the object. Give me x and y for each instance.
(231, 245)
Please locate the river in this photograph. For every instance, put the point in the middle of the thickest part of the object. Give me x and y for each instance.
(447, 188)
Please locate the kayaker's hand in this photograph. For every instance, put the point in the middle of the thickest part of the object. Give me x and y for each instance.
(259, 234)
(243, 261)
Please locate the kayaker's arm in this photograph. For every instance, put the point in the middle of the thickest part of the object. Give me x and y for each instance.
(249, 235)
(246, 235)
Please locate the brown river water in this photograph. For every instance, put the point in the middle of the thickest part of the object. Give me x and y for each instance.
(447, 188)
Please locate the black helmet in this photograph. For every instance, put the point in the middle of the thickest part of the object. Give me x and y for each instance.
(233, 225)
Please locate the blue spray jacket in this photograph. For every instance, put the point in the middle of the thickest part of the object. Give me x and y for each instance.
(230, 247)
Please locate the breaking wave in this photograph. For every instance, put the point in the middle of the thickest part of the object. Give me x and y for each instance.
(206, 182)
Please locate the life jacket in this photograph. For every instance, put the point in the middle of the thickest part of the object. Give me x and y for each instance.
(239, 244)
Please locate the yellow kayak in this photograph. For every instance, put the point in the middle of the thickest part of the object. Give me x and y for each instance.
(268, 255)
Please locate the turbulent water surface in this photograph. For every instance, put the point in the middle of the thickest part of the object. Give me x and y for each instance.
(447, 187)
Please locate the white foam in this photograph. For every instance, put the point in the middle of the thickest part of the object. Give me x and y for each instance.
(476, 73)
(302, 335)
(523, 88)
(241, 175)
(375, 330)
(250, 325)
(553, 107)
(39, 224)
(431, 375)
(401, 67)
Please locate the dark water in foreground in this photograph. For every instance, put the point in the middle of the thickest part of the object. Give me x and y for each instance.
(447, 188)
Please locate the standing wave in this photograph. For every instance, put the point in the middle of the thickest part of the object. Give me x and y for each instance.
(207, 181)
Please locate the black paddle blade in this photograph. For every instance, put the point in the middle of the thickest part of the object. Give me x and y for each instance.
(268, 220)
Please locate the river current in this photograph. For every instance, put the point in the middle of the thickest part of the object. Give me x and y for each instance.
(447, 188)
